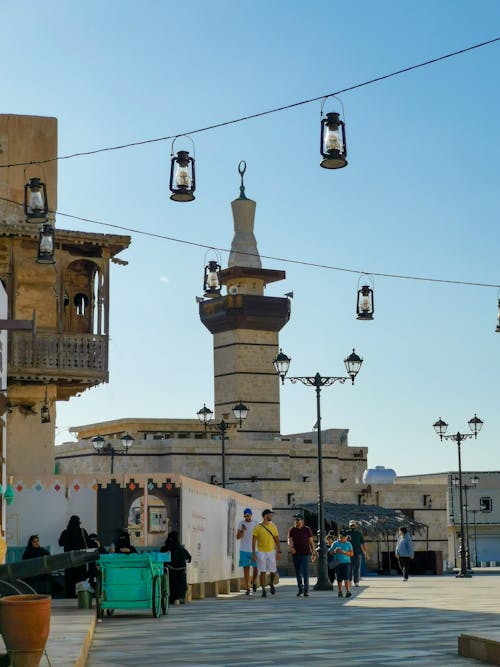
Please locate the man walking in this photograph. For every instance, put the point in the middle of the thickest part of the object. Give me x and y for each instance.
(244, 533)
(301, 543)
(265, 537)
(358, 547)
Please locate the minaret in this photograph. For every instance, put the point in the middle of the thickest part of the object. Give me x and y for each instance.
(245, 326)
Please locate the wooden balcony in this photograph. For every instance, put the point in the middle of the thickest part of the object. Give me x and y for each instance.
(80, 358)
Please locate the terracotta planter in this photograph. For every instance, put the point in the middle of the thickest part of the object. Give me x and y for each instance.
(25, 624)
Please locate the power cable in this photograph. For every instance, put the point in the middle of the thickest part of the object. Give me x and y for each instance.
(260, 114)
(284, 260)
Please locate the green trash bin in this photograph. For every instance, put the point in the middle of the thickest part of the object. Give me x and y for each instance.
(84, 599)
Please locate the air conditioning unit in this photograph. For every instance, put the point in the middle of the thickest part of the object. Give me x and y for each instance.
(233, 290)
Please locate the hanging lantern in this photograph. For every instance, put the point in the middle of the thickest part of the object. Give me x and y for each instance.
(44, 410)
(497, 330)
(35, 200)
(211, 279)
(365, 306)
(333, 147)
(46, 244)
(182, 175)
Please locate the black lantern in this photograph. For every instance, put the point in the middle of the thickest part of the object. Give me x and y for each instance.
(44, 410)
(205, 415)
(365, 305)
(46, 244)
(333, 146)
(35, 200)
(440, 427)
(127, 441)
(282, 364)
(182, 177)
(475, 425)
(497, 330)
(98, 443)
(353, 364)
(240, 412)
(211, 279)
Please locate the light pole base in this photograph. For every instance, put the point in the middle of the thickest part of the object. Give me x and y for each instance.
(321, 585)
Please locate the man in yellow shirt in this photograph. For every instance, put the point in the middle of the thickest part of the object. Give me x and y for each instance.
(265, 537)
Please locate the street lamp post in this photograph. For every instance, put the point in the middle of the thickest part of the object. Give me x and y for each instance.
(205, 415)
(352, 364)
(475, 424)
(106, 448)
(476, 562)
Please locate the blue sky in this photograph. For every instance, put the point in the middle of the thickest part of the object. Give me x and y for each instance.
(419, 197)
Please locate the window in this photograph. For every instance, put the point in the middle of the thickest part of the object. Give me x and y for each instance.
(81, 302)
(486, 504)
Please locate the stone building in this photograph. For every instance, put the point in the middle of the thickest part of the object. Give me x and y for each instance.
(64, 290)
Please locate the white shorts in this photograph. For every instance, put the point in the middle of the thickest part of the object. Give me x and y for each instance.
(266, 561)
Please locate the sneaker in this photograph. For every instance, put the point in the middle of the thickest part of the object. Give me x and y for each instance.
(264, 594)
(272, 589)
(348, 594)
(300, 593)
(248, 592)
(340, 594)
(357, 585)
(306, 594)
(254, 587)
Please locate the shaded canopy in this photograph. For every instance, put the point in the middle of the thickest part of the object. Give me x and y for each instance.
(374, 521)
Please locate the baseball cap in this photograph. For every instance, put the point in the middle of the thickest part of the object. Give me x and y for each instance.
(267, 511)
(343, 533)
(247, 510)
(298, 516)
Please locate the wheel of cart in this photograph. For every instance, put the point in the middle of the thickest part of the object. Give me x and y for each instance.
(165, 592)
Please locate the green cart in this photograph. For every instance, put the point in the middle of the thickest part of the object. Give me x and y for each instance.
(134, 581)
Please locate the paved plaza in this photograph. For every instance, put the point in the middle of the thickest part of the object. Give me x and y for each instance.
(386, 622)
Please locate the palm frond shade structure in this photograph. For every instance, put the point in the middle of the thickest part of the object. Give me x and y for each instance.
(333, 146)
(374, 521)
(35, 201)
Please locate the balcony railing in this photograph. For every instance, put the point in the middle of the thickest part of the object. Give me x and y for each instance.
(74, 356)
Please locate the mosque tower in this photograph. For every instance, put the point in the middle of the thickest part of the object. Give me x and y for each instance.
(245, 325)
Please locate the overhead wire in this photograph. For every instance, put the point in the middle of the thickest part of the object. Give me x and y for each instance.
(261, 113)
(284, 260)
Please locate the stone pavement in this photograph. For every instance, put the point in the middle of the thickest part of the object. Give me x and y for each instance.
(386, 622)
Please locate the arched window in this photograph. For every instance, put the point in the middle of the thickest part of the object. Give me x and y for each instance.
(81, 302)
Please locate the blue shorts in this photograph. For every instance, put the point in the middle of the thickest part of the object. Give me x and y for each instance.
(246, 559)
(343, 572)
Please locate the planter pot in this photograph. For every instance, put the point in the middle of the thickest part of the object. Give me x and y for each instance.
(25, 624)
